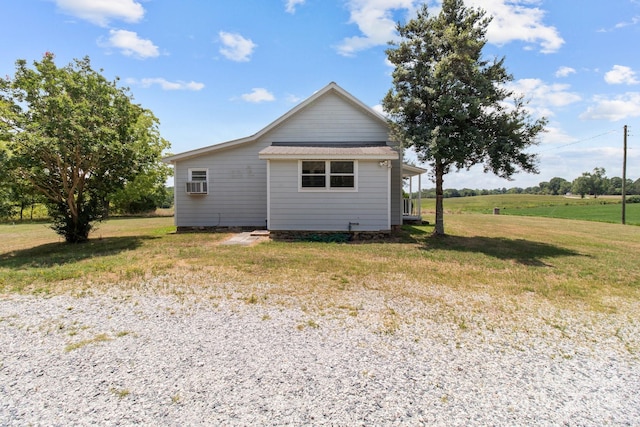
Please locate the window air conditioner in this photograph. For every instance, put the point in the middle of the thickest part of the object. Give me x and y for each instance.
(196, 187)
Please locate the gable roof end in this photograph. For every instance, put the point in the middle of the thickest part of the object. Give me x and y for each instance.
(328, 88)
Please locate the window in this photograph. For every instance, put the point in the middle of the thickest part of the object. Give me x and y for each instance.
(342, 175)
(328, 175)
(314, 175)
(198, 174)
(198, 181)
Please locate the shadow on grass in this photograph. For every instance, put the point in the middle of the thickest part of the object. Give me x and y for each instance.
(52, 254)
(522, 251)
(415, 234)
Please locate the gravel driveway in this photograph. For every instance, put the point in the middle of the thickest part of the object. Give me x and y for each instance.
(163, 360)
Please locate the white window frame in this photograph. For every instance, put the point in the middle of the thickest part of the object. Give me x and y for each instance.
(327, 175)
(206, 180)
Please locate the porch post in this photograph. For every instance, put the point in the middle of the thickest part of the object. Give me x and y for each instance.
(420, 196)
(410, 196)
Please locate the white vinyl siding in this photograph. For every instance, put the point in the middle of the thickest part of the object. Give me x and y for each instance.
(237, 190)
(333, 119)
(330, 119)
(290, 209)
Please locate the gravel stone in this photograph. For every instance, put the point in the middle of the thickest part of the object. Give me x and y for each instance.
(165, 360)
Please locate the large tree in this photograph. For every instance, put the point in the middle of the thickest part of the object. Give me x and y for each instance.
(75, 137)
(559, 185)
(594, 183)
(452, 105)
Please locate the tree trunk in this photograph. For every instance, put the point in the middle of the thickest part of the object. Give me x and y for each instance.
(439, 229)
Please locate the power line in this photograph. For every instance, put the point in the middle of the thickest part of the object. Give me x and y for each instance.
(580, 141)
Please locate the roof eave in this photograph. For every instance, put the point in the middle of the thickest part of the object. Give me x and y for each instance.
(410, 170)
(207, 149)
(328, 156)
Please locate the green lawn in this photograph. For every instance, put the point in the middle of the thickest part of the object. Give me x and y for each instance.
(601, 213)
(603, 209)
(561, 261)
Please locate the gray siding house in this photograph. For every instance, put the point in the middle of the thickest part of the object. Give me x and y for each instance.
(327, 165)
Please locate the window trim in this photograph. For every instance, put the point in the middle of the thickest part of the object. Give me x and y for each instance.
(327, 174)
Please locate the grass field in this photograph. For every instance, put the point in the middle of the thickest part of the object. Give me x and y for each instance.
(602, 209)
(570, 264)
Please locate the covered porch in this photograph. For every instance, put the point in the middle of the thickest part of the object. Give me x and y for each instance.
(411, 205)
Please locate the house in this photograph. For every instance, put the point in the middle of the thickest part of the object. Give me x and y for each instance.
(328, 165)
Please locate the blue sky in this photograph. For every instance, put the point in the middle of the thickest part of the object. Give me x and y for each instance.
(213, 71)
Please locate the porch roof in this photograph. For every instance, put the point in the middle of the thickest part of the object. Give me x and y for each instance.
(410, 170)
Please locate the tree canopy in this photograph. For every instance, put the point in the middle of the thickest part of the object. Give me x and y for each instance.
(452, 105)
(595, 183)
(76, 138)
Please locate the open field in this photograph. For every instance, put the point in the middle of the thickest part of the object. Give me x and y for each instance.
(601, 209)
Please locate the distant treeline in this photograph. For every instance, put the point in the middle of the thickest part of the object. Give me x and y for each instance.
(589, 183)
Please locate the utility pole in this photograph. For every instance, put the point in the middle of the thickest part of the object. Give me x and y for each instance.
(624, 177)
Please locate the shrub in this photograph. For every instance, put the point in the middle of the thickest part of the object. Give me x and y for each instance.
(633, 199)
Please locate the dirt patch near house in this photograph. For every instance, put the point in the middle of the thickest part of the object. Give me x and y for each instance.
(248, 238)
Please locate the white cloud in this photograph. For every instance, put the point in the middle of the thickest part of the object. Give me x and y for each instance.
(517, 20)
(620, 74)
(100, 12)
(565, 71)
(293, 99)
(555, 135)
(375, 21)
(512, 20)
(613, 109)
(258, 95)
(543, 97)
(292, 4)
(167, 85)
(380, 110)
(131, 45)
(634, 21)
(235, 47)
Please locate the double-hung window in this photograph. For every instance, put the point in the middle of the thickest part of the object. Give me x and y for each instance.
(198, 182)
(336, 175)
(342, 174)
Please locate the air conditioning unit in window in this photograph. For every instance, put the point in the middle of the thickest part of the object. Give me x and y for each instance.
(196, 187)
